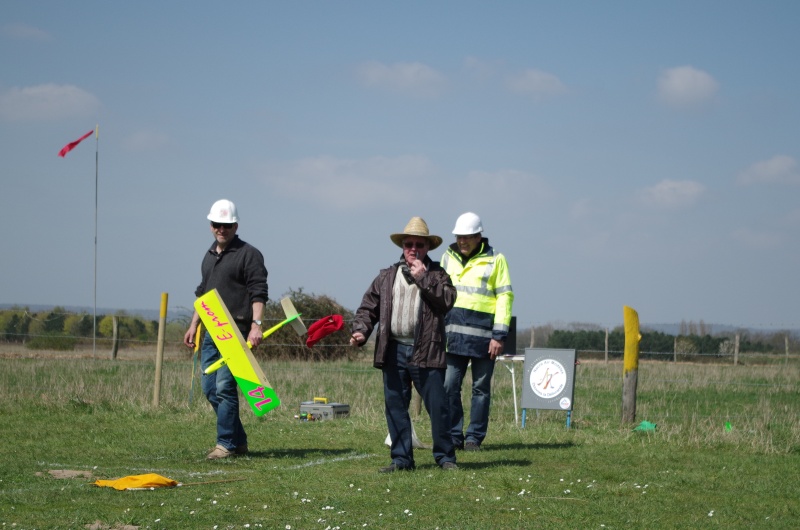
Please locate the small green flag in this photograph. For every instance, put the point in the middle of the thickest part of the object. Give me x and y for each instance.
(645, 426)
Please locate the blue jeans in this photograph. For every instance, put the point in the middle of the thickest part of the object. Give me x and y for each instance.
(222, 392)
(482, 370)
(398, 376)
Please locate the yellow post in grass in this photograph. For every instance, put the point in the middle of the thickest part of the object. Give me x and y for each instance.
(630, 364)
(162, 329)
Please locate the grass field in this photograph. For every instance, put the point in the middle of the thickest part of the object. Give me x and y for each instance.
(69, 419)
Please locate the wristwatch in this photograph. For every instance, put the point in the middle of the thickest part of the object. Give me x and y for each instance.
(258, 322)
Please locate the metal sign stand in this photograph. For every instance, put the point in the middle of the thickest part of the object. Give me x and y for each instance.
(549, 381)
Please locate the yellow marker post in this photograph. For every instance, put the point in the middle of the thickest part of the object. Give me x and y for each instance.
(630, 369)
(162, 329)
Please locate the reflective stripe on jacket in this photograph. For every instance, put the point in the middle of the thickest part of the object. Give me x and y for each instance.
(483, 307)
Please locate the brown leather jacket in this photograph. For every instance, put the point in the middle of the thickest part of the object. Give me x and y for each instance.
(438, 296)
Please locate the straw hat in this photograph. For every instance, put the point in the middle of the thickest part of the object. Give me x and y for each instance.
(416, 227)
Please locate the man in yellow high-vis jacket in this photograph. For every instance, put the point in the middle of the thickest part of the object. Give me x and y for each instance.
(476, 326)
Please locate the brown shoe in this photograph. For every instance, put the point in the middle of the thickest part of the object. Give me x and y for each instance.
(219, 452)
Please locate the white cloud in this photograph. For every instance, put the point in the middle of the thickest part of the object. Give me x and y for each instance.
(780, 169)
(46, 103)
(478, 68)
(146, 141)
(415, 79)
(344, 183)
(672, 194)
(535, 83)
(756, 239)
(20, 31)
(686, 86)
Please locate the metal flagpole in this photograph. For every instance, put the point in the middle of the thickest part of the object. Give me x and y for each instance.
(96, 173)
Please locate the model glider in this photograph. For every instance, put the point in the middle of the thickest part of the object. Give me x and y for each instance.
(236, 352)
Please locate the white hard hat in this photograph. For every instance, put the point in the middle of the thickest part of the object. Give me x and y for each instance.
(223, 211)
(467, 224)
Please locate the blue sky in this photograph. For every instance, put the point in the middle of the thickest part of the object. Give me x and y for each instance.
(619, 153)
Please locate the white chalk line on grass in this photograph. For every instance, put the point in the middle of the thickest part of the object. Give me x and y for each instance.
(323, 461)
(193, 474)
(317, 462)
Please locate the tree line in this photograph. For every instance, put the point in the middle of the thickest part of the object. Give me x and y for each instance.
(62, 330)
(59, 329)
(655, 343)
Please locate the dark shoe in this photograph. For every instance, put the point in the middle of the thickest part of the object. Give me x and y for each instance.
(458, 446)
(449, 466)
(241, 450)
(394, 467)
(472, 446)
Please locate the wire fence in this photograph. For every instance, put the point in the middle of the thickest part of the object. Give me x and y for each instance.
(61, 330)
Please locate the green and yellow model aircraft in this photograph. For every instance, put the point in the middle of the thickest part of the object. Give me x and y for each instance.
(236, 352)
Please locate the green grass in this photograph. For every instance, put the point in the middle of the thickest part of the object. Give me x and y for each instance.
(73, 413)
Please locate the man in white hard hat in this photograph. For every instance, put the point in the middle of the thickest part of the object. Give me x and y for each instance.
(236, 269)
(477, 325)
(409, 300)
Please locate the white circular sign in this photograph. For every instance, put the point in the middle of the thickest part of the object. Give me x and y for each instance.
(548, 378)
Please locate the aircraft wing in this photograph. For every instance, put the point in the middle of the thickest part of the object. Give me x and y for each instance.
(235, 353)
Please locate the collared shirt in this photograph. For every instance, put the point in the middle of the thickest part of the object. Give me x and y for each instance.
(238, 274)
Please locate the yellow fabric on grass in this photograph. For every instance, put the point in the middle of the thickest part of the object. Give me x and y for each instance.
(149, 480)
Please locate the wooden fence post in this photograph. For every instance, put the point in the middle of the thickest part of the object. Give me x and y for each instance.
(606, 345)
(114, 337)
(630, 371)
(786, 345)
(416, 402)
(736, 350)
(162, 327)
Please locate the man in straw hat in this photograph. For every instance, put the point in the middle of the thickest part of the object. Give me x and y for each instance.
(409, 300)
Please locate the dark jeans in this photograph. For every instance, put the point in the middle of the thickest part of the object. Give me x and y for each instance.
(482, 370)
(397, 378)
(223, 393)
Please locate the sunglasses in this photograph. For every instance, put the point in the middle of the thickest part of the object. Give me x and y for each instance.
(222, 225)
(412, 244)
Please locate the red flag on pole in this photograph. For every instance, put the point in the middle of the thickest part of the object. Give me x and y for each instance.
(70, 146)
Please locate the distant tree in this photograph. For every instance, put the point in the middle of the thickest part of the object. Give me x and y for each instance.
(685, 345)
(105, 327)
(542, 334)
(656, 341)
(727, 347)
(48, 322)
(15, 324)
(78, 325)
(286, 344)
(130, 328)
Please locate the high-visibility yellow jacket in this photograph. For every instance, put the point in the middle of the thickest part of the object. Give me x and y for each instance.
(483, 306)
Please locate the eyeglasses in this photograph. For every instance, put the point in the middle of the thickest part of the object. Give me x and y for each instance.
(222, 225)
(413, 244)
